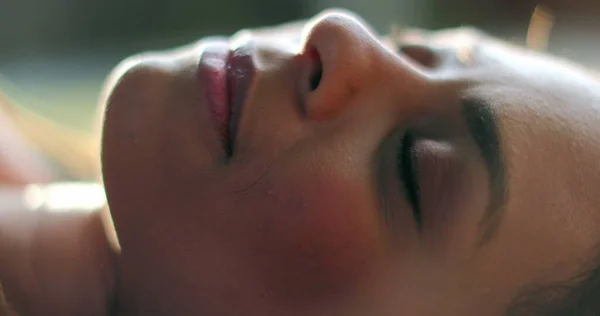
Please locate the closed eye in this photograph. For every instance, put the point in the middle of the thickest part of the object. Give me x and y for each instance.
(406, 163)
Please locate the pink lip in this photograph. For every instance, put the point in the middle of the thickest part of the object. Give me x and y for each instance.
(225, 77)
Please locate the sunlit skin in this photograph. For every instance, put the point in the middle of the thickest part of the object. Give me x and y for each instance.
(308, 216)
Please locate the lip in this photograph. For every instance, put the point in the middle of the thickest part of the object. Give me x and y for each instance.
(225, 77)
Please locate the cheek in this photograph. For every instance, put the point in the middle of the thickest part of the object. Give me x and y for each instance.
(321, 233)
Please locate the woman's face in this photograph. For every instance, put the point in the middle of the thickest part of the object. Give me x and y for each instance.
(316, 169)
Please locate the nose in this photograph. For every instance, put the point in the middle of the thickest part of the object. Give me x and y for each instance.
(343, 60)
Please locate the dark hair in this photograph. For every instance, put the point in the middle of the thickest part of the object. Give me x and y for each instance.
(579, 296)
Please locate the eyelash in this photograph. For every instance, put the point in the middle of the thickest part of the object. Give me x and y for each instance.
(407, 171)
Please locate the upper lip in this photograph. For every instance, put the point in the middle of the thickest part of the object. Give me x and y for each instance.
(240, 72)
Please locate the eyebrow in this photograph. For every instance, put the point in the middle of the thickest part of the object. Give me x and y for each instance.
(482, 123)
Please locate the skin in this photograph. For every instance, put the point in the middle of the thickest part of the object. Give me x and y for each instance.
(294, 222)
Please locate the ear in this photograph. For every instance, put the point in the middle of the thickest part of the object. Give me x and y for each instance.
(56, 263)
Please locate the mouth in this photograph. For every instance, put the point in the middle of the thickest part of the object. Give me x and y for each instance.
(225, 77)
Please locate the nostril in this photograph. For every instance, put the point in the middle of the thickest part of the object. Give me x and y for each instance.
(316, 73)
(421, 54)
(315, 79)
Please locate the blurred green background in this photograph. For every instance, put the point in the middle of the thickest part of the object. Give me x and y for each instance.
(55, 54)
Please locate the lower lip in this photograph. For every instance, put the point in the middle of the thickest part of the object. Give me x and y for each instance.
(225, 77)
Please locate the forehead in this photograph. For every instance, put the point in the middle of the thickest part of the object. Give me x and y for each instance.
(553, 78)
(545, 105)
(549, 118)
(549, 123)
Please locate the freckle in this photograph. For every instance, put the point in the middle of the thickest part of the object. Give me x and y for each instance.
(351, 89)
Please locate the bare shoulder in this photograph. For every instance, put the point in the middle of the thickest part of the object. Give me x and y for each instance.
(59, 262)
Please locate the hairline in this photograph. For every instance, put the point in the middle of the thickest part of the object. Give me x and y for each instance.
(571, 297)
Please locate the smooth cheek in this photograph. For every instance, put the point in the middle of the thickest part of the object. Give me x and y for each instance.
(322, 234)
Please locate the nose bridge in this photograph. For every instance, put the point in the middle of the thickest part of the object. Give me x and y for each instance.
(353, 63)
